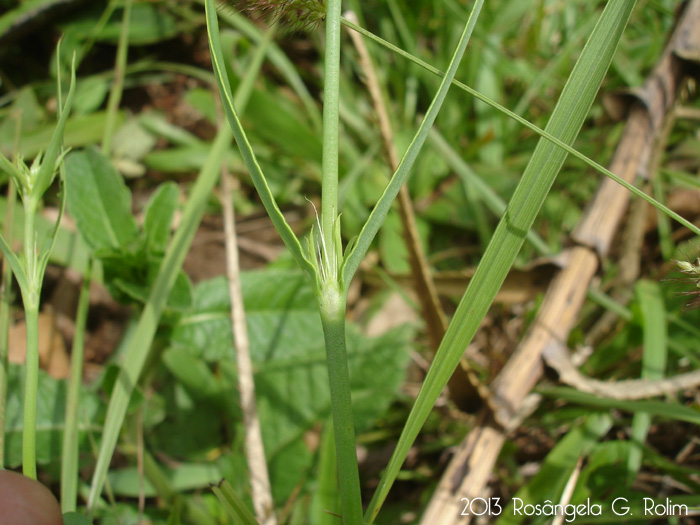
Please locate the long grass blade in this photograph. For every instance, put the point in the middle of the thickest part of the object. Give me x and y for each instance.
(234, 505)
(542, 133)
(654, 359)
(69, 456)
(379, 213)
(565, 123)
(251, 162)
(661, 409)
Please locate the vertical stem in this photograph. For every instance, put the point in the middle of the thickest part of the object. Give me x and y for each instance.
(69, 456)
(332, 307)
(30, 390)
(115, 95)
(331, 96)
(30, 298)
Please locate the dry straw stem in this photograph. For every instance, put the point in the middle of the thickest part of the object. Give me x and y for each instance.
(568, 492)
(479, 451)
(254, 449)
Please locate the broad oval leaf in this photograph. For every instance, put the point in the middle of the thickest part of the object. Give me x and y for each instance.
(99, 201)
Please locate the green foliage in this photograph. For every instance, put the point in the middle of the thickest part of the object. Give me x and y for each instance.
(287, 350)
(549, 482)
(148, 24)
(100, 202)
(73, 518)
(461, 184)
(51, 405)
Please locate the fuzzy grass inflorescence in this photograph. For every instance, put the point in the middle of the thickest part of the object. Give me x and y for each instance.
(693, 270)
(298, 14)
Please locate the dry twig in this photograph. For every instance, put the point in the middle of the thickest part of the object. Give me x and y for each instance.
(255, 452)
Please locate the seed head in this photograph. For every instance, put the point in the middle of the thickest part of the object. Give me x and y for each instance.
(299, 14)
(693, 270)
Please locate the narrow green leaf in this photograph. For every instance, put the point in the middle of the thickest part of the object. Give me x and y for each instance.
(379, 213)
(268, 200)
(50, 240)
(99, 201)
(15, 263)
(13, 172)
(651, 303)
(656, 408)
(565, 123)
(48, 164)
(234, 504)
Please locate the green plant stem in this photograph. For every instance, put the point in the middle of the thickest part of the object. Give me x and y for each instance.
(30, 297)
(31, 385)
(331, 101)
(332, 306)
(69, 456)
(115, 95)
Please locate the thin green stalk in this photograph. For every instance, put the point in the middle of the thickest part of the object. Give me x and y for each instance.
(234, 505)
(69, 456)
(332, 306)
(115, 95)
(31, 385)
(331, 298)
(331, 102)
(29, 270)
(30, 296)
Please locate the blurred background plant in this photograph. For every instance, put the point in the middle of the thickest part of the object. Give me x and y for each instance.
(183, 427)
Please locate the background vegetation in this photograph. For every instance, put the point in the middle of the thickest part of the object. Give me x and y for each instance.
(183, 429)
